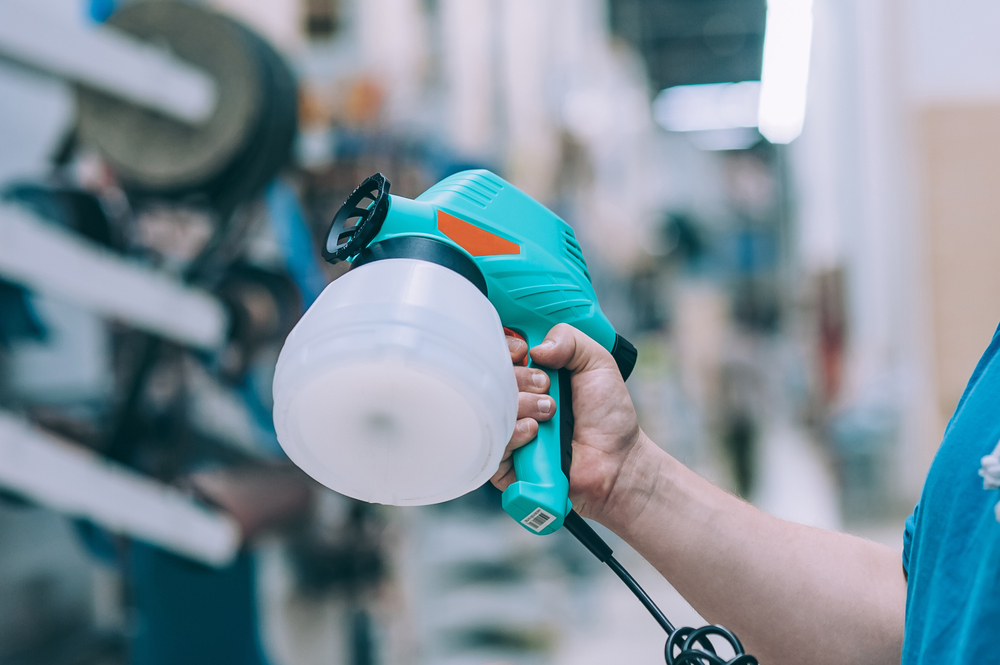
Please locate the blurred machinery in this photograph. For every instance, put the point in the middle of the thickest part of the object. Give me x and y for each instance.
(225, 158)
(170, 249)
(137, 314)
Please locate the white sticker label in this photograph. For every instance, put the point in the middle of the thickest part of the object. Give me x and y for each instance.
(538, 520)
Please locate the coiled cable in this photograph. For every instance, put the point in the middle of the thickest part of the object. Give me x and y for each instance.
(685, 646)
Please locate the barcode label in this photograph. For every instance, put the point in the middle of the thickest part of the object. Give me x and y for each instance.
(538, 519)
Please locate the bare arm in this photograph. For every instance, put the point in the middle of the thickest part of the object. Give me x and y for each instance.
(793, 594)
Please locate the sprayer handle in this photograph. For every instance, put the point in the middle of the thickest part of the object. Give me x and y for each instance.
(539, 499)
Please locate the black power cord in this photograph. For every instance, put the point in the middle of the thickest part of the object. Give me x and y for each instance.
(685, 646)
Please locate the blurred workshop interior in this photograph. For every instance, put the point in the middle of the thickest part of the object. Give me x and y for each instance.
(784, 204)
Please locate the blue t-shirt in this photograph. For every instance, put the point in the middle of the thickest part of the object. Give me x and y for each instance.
(951, 546)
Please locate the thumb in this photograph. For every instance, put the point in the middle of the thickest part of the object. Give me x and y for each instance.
(567, 347)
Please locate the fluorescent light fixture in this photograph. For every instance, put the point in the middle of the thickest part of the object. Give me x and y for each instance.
(694, 108)
(785, 74)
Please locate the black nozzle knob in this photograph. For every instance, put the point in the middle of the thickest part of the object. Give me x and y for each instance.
(359, 220)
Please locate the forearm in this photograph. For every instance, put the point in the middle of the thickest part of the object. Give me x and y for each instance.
(794, 594)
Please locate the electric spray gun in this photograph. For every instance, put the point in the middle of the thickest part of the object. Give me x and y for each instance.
(396, 386)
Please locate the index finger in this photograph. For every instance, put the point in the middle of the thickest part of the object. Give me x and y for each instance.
(518, 348)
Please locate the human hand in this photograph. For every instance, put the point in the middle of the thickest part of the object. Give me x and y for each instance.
(606, 435)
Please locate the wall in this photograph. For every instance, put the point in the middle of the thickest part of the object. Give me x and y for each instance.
(896, 174)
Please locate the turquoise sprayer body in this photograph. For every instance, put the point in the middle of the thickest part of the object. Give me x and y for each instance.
(528, 263)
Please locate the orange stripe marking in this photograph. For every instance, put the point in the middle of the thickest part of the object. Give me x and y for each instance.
(474, 240)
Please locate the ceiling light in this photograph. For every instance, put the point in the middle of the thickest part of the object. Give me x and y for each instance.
(691, 108)
(785, 72)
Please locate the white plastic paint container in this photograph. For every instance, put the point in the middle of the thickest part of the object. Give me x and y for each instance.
(396, 386)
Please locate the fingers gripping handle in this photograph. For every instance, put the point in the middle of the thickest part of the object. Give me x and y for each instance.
(539, 499)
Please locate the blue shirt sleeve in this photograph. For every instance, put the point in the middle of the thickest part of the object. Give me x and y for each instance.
(908, 538)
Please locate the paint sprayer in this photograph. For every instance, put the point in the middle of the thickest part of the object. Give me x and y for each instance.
(397, 387)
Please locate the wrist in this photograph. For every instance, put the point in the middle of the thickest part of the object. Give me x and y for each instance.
(635, 486)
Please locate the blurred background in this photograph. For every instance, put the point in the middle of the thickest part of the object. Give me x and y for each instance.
(787, 205)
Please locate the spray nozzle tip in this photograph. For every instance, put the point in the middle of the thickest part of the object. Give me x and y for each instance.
(359, 220)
